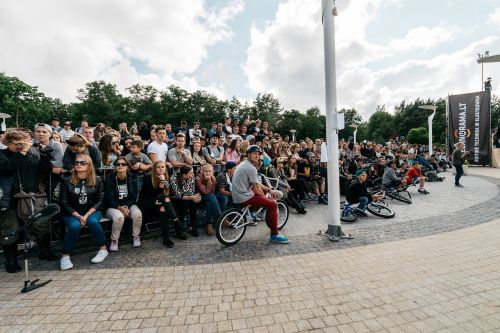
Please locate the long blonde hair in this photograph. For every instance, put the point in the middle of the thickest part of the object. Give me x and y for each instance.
(91, 176)
(156, 181)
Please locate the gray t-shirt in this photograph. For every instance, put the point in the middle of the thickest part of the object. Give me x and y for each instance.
(243, 177)
(172, 155)
(212, 152)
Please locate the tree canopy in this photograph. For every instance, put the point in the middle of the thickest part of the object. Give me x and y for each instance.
(100, 101)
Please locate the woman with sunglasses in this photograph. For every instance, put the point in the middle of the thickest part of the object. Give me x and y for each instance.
(82, 195)
(120, 194)
(79, 145)
(109, 148)
(155, 198)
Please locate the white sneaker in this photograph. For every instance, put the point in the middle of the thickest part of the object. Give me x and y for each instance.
(136, 242)
(66, 263)
(113, 247)
(100, 256)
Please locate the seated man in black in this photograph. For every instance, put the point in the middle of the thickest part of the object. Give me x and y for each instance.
(307, 170)
(357, 192)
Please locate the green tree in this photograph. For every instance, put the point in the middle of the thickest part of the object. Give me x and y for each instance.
(380, 126)
(101, 102)
(418, 135)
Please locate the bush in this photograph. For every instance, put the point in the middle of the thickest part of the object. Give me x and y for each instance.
(418, 136)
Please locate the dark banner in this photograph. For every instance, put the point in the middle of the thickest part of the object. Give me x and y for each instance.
(469, 122)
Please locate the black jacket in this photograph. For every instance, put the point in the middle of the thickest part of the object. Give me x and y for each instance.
(70, 157)
(148, 192)
(111, 192)
(24, 169)
(355, 190)
(81, 197)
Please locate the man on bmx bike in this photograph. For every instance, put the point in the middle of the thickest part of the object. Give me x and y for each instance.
(247, 190)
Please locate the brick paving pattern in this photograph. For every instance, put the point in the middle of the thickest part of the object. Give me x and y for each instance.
(443, 277)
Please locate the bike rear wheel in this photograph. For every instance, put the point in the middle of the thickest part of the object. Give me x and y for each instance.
(230, 227)
(282, 214)
(380, 210)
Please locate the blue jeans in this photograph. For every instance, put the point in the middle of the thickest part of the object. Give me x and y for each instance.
(460, 172)
(363, 202)
(222, 199)
(74, 226)
(212, 207)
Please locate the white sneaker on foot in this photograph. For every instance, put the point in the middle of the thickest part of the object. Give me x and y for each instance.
(136, 242)
(113, 247)
(100, 256)
(66, 263)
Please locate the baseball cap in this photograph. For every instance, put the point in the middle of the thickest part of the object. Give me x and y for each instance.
(230, 165)
(360, 172)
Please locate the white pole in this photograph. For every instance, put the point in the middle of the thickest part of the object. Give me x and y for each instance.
(334, 227)
(429, 120)
(355, 133)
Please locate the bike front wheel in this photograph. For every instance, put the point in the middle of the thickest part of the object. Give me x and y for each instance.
(230, 227)
(380, 210)
(403, 196)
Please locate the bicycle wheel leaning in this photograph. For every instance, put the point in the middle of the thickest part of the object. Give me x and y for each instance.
(347, 215)
(282, 214)
(230, 227)
(402, 196)
(380, 210)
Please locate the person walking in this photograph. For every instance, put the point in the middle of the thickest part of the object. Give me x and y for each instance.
(458, 158)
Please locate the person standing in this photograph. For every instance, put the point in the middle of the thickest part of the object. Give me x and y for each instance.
(458, 158)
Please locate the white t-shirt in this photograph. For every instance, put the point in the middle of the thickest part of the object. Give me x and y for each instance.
(159, 149)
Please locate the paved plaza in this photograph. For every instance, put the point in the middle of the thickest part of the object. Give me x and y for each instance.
(434, 267)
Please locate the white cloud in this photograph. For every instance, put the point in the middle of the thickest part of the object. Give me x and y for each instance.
(495, 16)
(424, 38)
(286, 58)
(61, 45)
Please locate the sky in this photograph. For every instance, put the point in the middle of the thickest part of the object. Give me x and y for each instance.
(387, 51)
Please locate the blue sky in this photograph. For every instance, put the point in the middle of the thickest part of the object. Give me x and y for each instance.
(387, 50)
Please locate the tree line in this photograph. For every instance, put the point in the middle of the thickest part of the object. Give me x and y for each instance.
(99, 101)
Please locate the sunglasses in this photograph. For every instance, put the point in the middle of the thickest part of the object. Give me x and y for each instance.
(80, 162)
(121, 164)
(72, 144)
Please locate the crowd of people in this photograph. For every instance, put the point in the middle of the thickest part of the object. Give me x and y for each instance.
(169, 174)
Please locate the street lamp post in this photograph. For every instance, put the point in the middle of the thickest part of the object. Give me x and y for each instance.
(481, 59)
(293, 134)
(3, 126)
(355, 132)
(429, 121)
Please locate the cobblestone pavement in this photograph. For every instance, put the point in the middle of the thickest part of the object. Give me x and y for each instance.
(447, 208)
(421, 277)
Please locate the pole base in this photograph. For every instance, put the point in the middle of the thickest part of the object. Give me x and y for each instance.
(334, 233)
(29, 286)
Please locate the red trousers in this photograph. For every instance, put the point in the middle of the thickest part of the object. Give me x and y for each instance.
(272, 210)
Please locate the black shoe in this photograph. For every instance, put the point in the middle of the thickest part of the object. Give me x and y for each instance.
(459, 185)
(47, 255)
(12, 266)
(301, 211)
(361, 213)
(322, 200)
(168, 243)
(194, 232)
(179, 233)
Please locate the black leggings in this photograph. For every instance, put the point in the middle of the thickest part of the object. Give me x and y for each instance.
(185, 207)
(299, 185)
